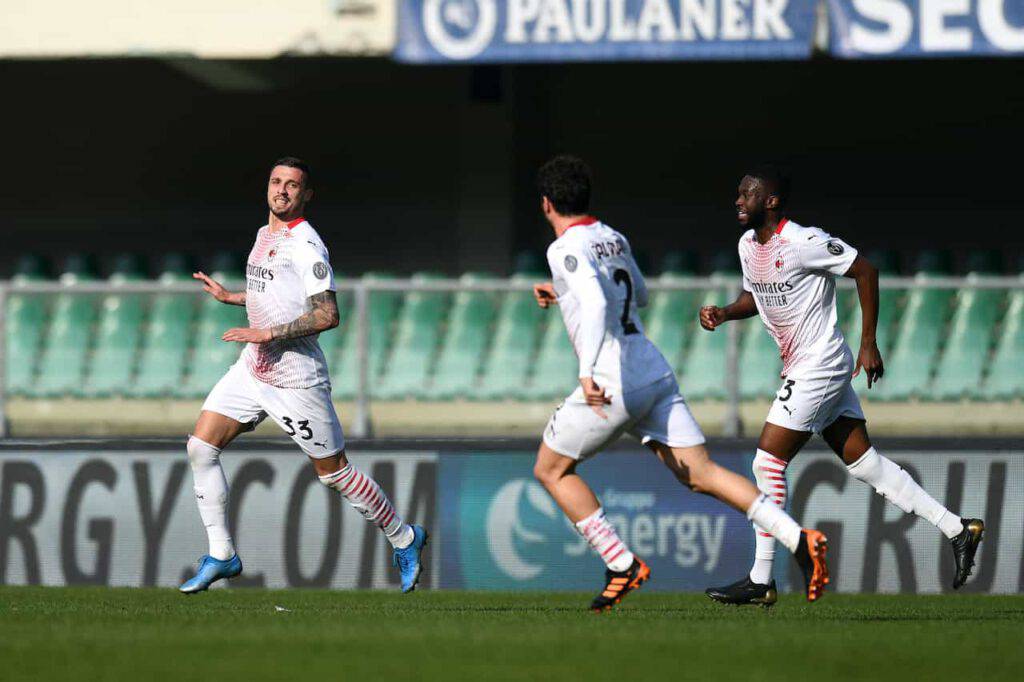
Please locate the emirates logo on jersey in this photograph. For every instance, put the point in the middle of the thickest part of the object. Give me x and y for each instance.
(778, 264)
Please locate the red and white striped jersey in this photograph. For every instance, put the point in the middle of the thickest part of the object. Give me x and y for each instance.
(792, 278)
(284, 269)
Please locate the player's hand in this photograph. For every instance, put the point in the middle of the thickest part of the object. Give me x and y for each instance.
(595, 396)
(870, 360)
(711, 316)
(247, 335)
(545, 295)
(212, 286)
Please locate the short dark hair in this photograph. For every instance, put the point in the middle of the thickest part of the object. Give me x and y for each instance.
(565, 181)
(294, 162)
(775, 180)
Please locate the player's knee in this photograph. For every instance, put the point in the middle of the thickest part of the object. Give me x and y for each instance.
(201, 454)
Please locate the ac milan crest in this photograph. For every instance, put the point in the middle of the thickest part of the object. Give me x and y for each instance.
(270, 256)
(778, 264)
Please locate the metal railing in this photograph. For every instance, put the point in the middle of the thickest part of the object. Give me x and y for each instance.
(361, 290)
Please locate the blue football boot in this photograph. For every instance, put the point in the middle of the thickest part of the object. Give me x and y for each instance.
(408, 559)
(210, 571)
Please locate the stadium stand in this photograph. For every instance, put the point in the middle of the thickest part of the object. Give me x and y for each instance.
(939, 344)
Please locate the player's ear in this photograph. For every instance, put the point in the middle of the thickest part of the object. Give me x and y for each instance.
(545, 205)
(772, 202)
(307, 196)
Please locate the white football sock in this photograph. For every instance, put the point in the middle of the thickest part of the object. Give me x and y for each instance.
(770, 476)
(774, 520)
(363, 493)
(602, 537)
(211, 488)
(896, 485)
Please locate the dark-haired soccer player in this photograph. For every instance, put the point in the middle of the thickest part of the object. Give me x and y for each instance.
(289, 299)
(626, 386)
(789, 276)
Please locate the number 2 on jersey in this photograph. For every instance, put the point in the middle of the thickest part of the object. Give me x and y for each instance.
(620, 277)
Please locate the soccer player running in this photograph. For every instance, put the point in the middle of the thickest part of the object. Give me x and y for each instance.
(289, 300)
(626, 386)
(789, 276)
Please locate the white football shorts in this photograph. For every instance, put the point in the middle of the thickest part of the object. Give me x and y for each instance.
(656, 412)
(305, 414)
(814, 401)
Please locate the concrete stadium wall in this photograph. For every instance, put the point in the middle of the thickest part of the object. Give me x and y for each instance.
(126, 517)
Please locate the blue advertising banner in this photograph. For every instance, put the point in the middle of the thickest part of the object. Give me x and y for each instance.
(926, 28)
(502, 531)
(602, 30)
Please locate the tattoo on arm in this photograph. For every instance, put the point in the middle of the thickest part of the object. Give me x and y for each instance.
(322, 317)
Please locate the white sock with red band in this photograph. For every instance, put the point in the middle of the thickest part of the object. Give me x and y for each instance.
(896, 485)
(211, 489)
(772, 519)
(602, 537)
(363, 493)
(770, 476)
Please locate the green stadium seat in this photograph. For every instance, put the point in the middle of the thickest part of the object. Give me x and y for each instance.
(417, 335)
(166, 340)
(510, 361)
(968, 342)
(679, 263)
(556, 370)
(212, 357)
(66, 345)
(530, 263)
(1005, 379)
(175, 264)
(382, 310)
(466, 339)
(984, 262)
(79, 265)
(726, 262)
(921, 324)
(670, 320)
(933, 262)
(127, 265)
(30, 266)
(117, 341)
(25, 325)
(704, 367)
(759, 360)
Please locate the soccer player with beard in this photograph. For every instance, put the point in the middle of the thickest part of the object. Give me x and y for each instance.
(789, 276)
(289, 299)
(626, 386)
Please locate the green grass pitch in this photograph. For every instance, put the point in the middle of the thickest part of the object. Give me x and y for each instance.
(149, 635)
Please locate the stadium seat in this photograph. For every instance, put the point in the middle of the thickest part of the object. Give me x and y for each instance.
(509, 362)
(25, 325)
(704, 363)
(725, 262)
(66, 345)
(462, 350)
(889, 305)
(530, 263)
(382, 310)
(679, 263)
(759, 360)
(921, 324)
(417, 334)
(30, 266)
(556, 370)
(110, 369)
(984, 262)
(933, 262)
(670, 319)
(166, 340)
(1005, 377)
(212, 357)
(128, 265)
(176, 264)
(968, 342)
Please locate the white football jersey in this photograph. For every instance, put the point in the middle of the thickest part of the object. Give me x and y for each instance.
(284, 269)
(599, 289)
(792, 278)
